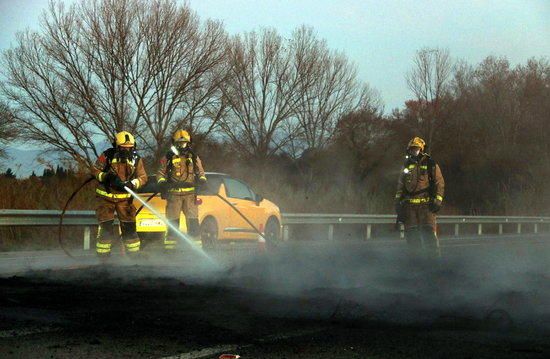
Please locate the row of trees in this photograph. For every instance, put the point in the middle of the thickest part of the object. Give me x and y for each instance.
(59, 172)
(497, 123)
(149, 67)
(489, 124)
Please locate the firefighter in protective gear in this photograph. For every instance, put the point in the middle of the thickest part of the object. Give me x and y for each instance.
(179, 174)
(419, 197)
(116, 168)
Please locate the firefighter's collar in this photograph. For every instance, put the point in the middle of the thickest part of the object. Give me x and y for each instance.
(175, 150)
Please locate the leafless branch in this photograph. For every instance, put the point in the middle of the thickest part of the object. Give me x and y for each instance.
(101, 66)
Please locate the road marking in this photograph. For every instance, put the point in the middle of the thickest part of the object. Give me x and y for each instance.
(298, 333)
(490, 243)
(34, 268)
(463, 245)
(207, 352)
(204, 353)
(14, 333)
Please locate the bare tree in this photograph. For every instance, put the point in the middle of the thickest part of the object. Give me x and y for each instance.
(8, 131)
(102, 66)
(429, 81)
(330, 88)
(261, 93)
(185, 65)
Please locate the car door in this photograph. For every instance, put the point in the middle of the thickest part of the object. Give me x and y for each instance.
(211, 205)
(240, 195)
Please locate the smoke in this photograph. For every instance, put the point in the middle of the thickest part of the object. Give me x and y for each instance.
(500, 285)
(354, 281)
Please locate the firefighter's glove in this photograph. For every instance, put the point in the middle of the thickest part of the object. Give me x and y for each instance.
(163, 186)
(400, 211)
(116, 183)
(128, 184)
(135, 183)
(201, 182)
(435, 206)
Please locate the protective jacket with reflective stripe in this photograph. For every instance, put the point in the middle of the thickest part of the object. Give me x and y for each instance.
(180, 170)
(414, 181)
(126, 170)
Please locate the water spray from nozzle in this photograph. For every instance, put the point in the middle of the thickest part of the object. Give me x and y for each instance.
(181, 235)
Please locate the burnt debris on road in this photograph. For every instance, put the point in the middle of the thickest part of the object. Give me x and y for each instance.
(302, 301)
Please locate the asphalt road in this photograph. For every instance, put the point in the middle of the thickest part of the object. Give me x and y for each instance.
(482, 299)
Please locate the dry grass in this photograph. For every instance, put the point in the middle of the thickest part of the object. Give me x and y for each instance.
(38, 193)
(48, 193)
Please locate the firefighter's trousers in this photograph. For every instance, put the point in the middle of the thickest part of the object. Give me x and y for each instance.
(420, 229)
(126, 213)
(175, 204)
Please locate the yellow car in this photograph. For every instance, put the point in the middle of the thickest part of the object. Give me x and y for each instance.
(219, 222)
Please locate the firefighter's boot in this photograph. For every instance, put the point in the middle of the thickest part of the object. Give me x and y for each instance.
(130, 239)
(104, 240)
(193, 231)
(414, 240)
(171, 237)
(431, 242)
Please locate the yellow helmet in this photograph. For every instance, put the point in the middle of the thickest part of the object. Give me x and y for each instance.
(417, 142)
(125, 139)
(181, 136)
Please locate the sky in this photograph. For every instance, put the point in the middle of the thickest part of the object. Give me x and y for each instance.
(381, 37)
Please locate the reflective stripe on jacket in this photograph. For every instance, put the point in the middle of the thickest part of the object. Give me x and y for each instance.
(182, 170)
(125, 170)
(413, 185)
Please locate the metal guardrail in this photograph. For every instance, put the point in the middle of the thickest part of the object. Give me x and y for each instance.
(321, 218)
(33, 218)
(375, 219)
(29, 218)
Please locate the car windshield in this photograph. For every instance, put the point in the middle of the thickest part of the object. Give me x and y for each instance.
(212, 185)
(238, 189)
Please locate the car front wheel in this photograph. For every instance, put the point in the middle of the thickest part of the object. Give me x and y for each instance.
(273, 231)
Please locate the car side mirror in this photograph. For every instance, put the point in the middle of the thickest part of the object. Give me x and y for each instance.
(259, 198)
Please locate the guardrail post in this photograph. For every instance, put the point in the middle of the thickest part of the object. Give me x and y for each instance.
(536, 228)
(369, 231)
(519, 228)
(500, 228)
(285, 233)
(87, 232)
(479, 229)
(330, 232)
(401, 230)
(456, 230)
